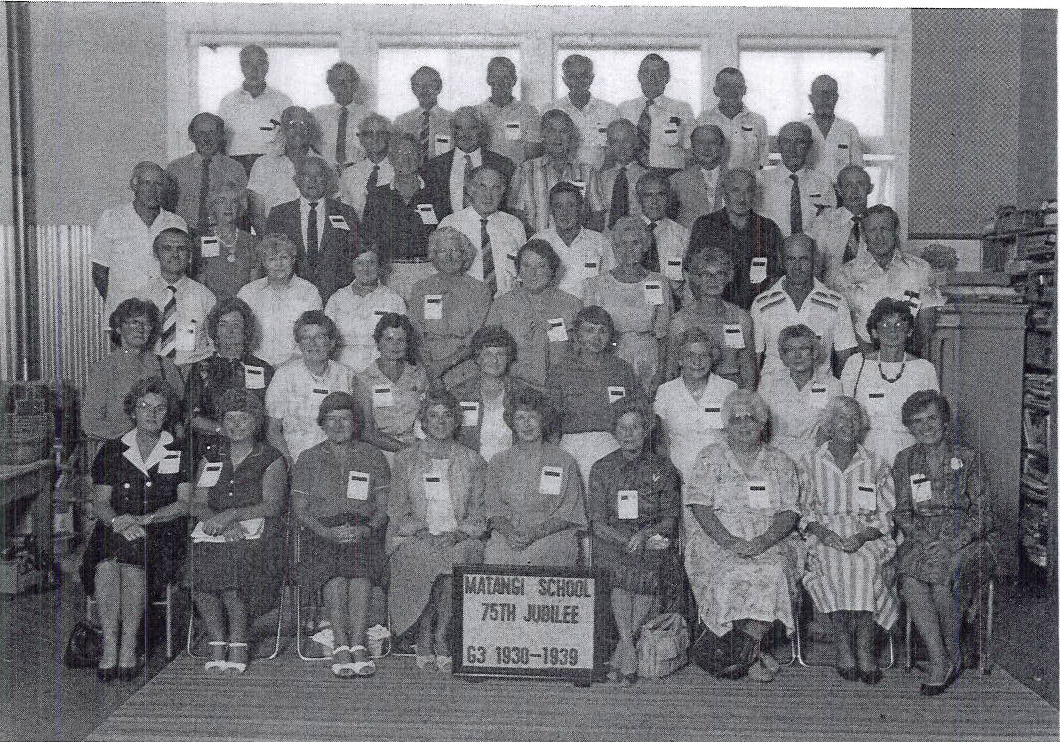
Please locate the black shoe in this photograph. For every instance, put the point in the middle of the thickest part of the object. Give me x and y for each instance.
(928, 689)
(106, 674)
(847, 673)
(129, 674)
(871, 677)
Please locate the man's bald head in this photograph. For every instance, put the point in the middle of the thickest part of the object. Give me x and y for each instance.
(824, 92)
(739, 187)
(794, 142)
(799, 251)
(254, 63)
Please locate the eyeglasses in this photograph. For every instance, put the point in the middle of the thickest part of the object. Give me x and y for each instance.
(158, 408)
(892, 324)
(321, 339)
(137, 324)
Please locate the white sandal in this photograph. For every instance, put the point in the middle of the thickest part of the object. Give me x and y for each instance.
(341, 669)
(239, 667)
(424, 661)
(219, 665)
(364, 668)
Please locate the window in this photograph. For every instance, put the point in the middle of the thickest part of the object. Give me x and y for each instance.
(616, 73)
(300, 72)
(463, 74)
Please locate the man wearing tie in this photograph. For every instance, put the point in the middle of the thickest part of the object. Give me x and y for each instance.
(669, 240)
(664, 125)
(838, 232)
(618, 182)
(252, 113)
(428, 121)
(793, 195)
(448, 176)
(338, 121)
(590, 114)
(836, 141)
(697, 188)
(324, 229)
(375, 169)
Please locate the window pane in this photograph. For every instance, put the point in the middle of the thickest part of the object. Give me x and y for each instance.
(300, 72)
(778, 85)
(616, 74)
(463, 74)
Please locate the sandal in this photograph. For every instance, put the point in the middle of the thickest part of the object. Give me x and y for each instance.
(362, 668)
(424, 661)
(219, 665)
(239, 667)
(445, 664)
(341, 669)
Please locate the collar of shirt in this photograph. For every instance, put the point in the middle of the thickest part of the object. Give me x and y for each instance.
(860, 454)
(132, 451)
(180, 284)
(304, 205)
(715, 112)
(475, 155)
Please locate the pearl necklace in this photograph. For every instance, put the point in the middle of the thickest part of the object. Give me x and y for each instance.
(879, 365)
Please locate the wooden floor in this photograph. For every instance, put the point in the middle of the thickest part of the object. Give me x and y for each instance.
(287, 699)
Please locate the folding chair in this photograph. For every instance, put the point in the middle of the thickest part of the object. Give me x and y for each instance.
(166, 601)
(797, 645)
(984, 639)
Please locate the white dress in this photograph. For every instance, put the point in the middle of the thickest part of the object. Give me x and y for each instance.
(794, 413)
(356, 317)
(691, 424)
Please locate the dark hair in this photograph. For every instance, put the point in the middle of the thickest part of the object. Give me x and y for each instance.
(435, 397)
(637, 404)
(565, 186)
(341, 401)
(886, 307)
(227, 306)
(185, 239)
(597, 316)
(882, 209)
(398, 321)
(130, 309)
(213, 117)
(921, 400)
(528, 398)
(696, 334)
(494, 336)
(653, 57)
(315, 317)
(795, 331)
(241, 400)
(151, 385)
(340, 66)
(545, 250)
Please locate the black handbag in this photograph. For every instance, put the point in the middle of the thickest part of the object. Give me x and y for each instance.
(729, 656)
(85, 646)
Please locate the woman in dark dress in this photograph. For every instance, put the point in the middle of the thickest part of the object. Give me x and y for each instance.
(142, 490)
(339, 491)
(239, 494)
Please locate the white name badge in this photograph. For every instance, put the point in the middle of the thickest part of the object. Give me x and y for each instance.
(432, 306)
(513, 131)
(815, 389)
(599, 138)
(628, 508)
(615, 393)
(921, 487)
(436, 487)
(673, 270)
(357, 486)
(672, 134)
(913, 297)
(875, 399)
(758, 494)
(580, 185)
(382, 396)
(653, 294)
(211, 247)
(321, 393)
(210, 474)
(170, 464)
(338, 221)
(253, 377)
(442, 144)
(469, 414)
(187, 336)
(733, 335)
(865, 497)
(712, 413)
(758, 269)
(426, 212)
(551, 480)
(557, 331)
(592, 268)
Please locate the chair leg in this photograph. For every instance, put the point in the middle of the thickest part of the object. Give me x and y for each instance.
(169, 621)
(890, 650)
(908, 641)
(987, 641)
(299, 637)
(279, 627)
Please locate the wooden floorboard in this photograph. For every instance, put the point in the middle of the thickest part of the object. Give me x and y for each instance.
(287, 699)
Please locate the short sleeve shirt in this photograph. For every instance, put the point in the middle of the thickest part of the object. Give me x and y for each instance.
(294, 397)
(251, 123)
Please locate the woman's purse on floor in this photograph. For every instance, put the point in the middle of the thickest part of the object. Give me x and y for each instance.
(662, 647)
(729, 656)
(85, 646)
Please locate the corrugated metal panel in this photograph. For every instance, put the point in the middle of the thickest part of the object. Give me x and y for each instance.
(8, 249)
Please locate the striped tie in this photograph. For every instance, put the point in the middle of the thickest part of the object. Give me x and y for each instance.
(644, 133)
(168, 342)
(489, 273)
(425, 137)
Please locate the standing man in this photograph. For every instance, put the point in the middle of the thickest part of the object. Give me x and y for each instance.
(744, 130)
(122, 242)
(194, 176)
(585, 253)
(836, 141)
(793, 194)
(513, 124)
(664, 125)
(338, 121)
(697, 188)
(428, 121)
(838, 232)
(590, 114)
(618, 183)
(375, 169)
(252, 113)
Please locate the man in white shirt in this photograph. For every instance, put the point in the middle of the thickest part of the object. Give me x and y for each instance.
(745, 131)
(590, 114)
(513, 124)
(584, 253)
(618, 183)
(339, 120)
(697, 189)
(374, 169)
(836, 141)
(793, 195)
(838, 232)
(481, 222)
(252, 113)
(664, 125)
(182, 303)
(428, 123)
(669, 240)
(122, 254)
(271, 179)
(195, 176)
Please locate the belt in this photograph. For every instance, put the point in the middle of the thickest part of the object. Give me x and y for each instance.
(410, 261)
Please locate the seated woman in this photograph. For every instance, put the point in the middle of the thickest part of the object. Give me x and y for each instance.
(534, 498)
(634, 505)
(797, 398)
(884, 379)
(690, 405)
(945, 512)
(586, 384)
(339, 492)
(742, 553)
(239, 495)
(228, 255)
(438, 515)
(231, 327)
(142, 491)
(847, 499)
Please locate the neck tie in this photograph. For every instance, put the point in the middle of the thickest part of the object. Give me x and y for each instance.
(651, 259)
(340, 139)
(373, 179)
(644, 131)
(167, 343)
(619, 197)
(468, 167)
(425, 137)
(851, 250)
(489, 274)
(312, 239)
(204, 196)
(796, 205)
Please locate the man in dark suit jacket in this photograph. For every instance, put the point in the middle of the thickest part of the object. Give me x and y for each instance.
(325, 229)
(446, 175)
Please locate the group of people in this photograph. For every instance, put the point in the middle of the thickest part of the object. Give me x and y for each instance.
(694, 367)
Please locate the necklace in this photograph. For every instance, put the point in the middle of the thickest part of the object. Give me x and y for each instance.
(879, 364)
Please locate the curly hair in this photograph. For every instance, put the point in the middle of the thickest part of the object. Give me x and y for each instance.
(531, 400)
(227, 306)
(494, 336)
(151, 385)
(132, 309)
(398, 321)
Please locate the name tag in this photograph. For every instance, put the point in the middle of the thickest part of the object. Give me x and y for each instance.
(210, 474)
(442, 144)
(469, 414)
(600, 136)
(615, 393)
(673, 270)
(580, 185)
(187, 337)
(436, 487)
(357, 486)
(592, 268)
(672, 132)
(211, 247)
(557, 331)
(758, 494)
(321, 392)
(338, 221)
(551, 480)
(844, 146)
(913, 297)
(747, 129)
(921, 487)
(653, 294)
(876, 397)
(758, 269)
(382, 396)
(170, 464)
(627, 505)
(818, 389)
(253, 377)
(712, 413)
(432, 306)
(513, 131)
(426, 212)
(733, 335)
(865, 497)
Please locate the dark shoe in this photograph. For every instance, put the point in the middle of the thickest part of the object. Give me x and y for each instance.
(871, 677)
(129, 674)
(928, 689)
(848, 673)
(106, 674)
